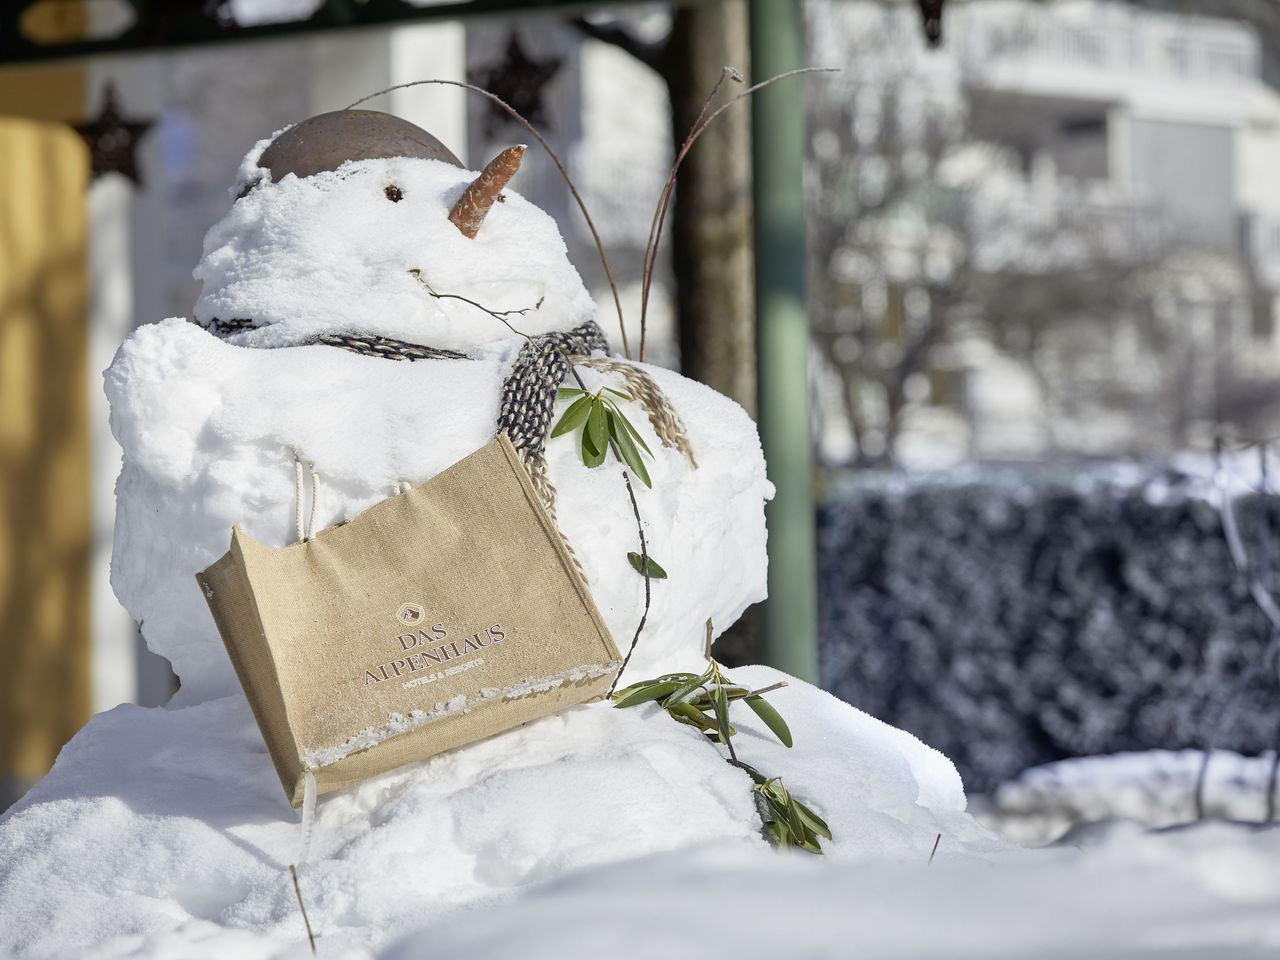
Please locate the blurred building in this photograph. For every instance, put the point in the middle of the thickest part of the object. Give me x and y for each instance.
(1163, 127)
(1105, 146)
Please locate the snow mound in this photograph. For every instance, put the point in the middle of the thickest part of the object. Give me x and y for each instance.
(1153, 787)
(1208, 891)
(209, 432)
(163, 833)
(330, 253)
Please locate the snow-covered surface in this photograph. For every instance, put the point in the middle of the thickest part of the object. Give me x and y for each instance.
(209, 432)
(1153, 787)
(331, 254)
(156, 823)
(1210, 891)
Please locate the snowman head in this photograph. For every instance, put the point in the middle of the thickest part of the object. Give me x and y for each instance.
(357, 222)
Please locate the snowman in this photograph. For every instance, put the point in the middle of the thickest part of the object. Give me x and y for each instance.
(371, 313)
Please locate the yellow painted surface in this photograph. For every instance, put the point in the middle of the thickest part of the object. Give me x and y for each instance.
(44, 431)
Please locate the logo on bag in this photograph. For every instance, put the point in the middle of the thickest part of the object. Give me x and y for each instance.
(410, 614)
(430, 644)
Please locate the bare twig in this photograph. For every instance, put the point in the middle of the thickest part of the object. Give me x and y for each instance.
(1271, 785)
(496, 314)
(297, 889)
(555, 158)
(934, 852)
(1256, 579)
(664, 199)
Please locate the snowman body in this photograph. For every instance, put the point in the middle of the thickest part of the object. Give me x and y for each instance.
(211, 425)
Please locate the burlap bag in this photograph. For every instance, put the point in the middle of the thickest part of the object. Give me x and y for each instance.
(436, 618)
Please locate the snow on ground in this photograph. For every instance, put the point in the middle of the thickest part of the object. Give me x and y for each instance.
(156, 823)
(1212, 891)
(1153, 787)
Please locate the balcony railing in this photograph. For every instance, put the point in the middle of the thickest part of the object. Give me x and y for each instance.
(1111, 39)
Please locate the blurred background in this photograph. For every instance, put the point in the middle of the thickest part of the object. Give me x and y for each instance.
(1042, 257)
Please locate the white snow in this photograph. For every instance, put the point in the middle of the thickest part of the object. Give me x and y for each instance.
(156, 823)
(1209, 892)
(331, 254)
(209, 432)
(1152, 787)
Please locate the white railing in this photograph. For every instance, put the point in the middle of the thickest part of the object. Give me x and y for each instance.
(1105, 37)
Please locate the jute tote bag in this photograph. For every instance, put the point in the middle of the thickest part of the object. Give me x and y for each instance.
(436, 618)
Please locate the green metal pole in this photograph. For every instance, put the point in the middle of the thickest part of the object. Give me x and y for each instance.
(789, 634)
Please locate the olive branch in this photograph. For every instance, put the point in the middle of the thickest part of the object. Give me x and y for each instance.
(702, 702)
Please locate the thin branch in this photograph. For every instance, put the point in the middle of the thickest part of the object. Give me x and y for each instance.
(644, 551)
(496, 314)
(664, 199)
(1265, 602)
(555, 158)
(1271, 784)
(1240, 556)
(297, 889)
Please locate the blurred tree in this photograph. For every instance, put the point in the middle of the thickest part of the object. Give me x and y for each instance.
(928, 232)
(710, 225)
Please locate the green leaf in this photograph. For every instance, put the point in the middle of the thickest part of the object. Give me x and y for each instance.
(655, 571)
(772, 719)
(564, 393)
(779, 833)
(573, 418)
(703, 700)
(793, 816)
(810, 845)
(592, 455)
(684, 713)
(598, 426)
(721, 704)
(630, 455)
(684, 690)
(618, 393)
(646, 693)
(635, 434)
(811, 820)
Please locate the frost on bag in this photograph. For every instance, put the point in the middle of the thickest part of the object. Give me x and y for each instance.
(436, 618)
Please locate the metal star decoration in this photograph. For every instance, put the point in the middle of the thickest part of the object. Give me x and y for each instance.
(113, 140)
(931, 21)
(519, 80)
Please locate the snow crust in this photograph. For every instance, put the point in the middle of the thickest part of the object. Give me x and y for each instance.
(161, 833)
(398, 723)
(331, 254)
(209, 432)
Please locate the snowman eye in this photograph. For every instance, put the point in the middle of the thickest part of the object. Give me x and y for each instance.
(394, 193)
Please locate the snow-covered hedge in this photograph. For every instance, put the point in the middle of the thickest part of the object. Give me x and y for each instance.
(1013, 624)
